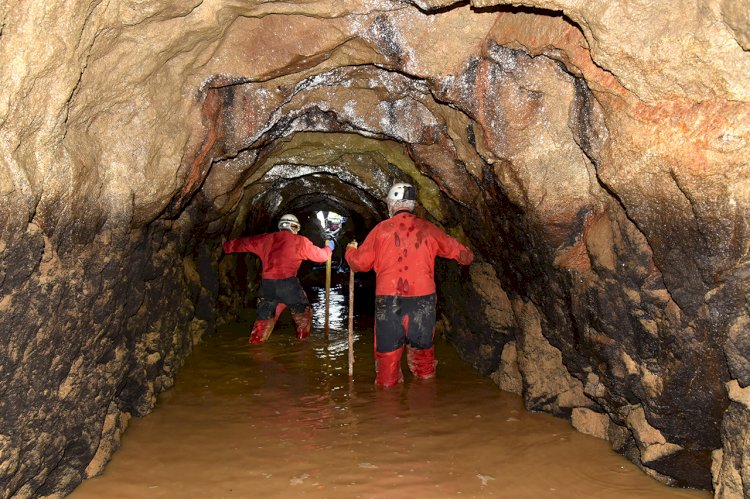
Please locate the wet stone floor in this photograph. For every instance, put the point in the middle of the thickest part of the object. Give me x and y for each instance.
(283, 419)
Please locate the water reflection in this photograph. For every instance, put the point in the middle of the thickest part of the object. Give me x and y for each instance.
(338, 324)
(338, 308)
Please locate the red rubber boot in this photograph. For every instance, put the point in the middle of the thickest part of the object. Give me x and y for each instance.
(388, 368)
(262, 330)
(303, 321)
(422, 363)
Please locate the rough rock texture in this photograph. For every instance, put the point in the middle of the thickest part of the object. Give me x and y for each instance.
(731, 465)
(594, 154)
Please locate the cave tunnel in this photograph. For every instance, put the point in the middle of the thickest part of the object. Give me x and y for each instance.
(595, 159)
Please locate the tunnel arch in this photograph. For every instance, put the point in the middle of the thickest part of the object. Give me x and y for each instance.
(539, 130)
(601, 182)
(438, 136)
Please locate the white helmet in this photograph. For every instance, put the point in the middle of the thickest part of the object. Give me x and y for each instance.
(402, 196)
(289, 222)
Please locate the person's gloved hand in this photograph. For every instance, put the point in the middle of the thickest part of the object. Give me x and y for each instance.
(352, 244)
(330, 244)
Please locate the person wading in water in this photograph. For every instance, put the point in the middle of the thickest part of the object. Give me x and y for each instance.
(402, 251)
(281, 254)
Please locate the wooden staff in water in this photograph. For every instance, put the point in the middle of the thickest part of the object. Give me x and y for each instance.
(351, 321)
(328, 292)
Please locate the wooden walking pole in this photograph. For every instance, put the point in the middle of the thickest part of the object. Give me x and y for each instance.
(328, 293)
(351, 323)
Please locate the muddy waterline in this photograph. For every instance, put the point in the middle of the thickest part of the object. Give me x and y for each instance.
(283, 419)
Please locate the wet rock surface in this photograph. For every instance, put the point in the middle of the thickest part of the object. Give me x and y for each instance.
(594, 157)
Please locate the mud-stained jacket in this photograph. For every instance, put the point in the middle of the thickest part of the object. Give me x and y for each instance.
(402, 251)
(281, 253)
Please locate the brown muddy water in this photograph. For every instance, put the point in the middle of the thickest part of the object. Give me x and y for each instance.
(283, 419)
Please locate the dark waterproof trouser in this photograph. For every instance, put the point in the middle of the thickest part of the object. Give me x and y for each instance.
(275, 295)
(404, 321)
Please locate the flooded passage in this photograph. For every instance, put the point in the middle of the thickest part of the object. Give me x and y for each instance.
(283, 419)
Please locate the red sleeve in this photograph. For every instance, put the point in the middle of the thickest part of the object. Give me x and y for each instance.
(448, 247)
(311, 252)
(362, 258)
(250, 244)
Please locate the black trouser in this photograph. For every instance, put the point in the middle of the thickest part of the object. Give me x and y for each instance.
(275, 291)
(403, 320)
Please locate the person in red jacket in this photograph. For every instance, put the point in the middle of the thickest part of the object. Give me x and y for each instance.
(281, 254)
(402, 250)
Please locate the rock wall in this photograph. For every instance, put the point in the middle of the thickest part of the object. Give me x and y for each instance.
(87, 344)
(594, 156)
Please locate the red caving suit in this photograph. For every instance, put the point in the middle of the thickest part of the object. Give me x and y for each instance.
(281, 254)
(402, 251)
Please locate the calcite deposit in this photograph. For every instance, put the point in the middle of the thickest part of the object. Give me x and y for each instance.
(594, 155)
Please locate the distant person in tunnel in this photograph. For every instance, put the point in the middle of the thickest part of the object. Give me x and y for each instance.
(402, 251)
(281, 254)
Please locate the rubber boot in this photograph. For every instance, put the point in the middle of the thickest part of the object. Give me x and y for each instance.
(303, 321)
(388, 368)
(262, 330)
(421, 363)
